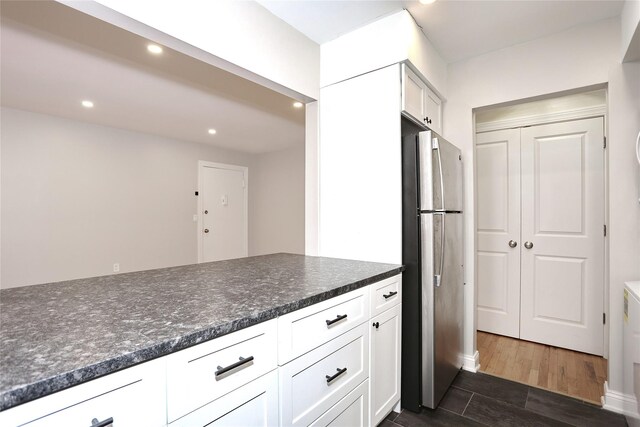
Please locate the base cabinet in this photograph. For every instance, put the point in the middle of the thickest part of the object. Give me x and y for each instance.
(385, 363)
(335, 363)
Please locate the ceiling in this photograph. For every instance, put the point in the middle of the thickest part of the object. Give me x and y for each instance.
(53, 57)
(459, 29)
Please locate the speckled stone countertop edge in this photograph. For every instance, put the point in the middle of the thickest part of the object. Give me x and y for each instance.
(29, 392)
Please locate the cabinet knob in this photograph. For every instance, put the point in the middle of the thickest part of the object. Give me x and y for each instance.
(206, 230)
(513, 243)
(528, 245)
(376, 325)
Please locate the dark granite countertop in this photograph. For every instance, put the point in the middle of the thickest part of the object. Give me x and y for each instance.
(58, 335)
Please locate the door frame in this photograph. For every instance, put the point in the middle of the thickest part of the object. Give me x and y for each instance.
(533, 120)
(245, 171)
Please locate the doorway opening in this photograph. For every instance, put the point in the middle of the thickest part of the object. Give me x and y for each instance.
(541, 242)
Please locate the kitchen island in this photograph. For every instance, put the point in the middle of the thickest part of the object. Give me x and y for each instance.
(58, 335)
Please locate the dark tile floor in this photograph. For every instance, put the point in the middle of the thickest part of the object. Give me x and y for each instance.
(485, 400)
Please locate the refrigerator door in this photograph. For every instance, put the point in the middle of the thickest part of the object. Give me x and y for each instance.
(430, 226)
(440, 174)
(442, 305)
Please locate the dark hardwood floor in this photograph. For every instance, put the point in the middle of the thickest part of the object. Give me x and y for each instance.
(484, 400)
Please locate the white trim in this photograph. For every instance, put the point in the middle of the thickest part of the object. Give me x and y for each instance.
(471, 363)
(538, 119)
(245, 172)
(621, 403)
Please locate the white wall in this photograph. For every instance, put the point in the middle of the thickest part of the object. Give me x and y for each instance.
(630, 31)
(277, 206)
(387, 41)
(78, 197)
(579, 57)
(361, 168)
(247, 39)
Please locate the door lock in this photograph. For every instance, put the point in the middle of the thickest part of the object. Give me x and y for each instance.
(513, 243)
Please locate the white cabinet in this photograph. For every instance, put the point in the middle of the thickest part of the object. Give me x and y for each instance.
(385, 362)
(311, 327)
(323, 365)
(385, 294)
(202, 373)
(420, 102)
(311, 384)
(131, 397)
(254, 404)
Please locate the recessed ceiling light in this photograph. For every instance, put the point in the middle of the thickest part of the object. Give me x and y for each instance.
(426, 1)
(212, 131)
(87, 104)
(297, 104)
(155, 49)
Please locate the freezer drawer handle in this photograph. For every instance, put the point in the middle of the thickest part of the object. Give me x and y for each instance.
(105, 423)
(390, 294)
(242, 361)
(337, 319)
(336, 375)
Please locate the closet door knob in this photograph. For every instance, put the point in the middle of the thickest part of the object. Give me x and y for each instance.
(513, 243)
(528, 245)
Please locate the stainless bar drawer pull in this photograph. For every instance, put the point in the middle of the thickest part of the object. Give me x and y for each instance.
(390, 294)
(105, 423)
(337, 319)
(336, 375)
(239, 363)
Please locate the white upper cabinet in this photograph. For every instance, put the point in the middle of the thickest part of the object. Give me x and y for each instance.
(420, 102)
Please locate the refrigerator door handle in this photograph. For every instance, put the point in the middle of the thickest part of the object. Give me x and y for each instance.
(436, 146)
(437, 278)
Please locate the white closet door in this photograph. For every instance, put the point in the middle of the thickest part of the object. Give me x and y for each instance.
(498, 223)
(562, 278)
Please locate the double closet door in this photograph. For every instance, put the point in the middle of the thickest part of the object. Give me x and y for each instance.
(540, 233)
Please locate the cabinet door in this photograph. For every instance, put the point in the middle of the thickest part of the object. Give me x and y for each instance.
(432, 110)
(385, 363)
(413, 94)
(254, 404)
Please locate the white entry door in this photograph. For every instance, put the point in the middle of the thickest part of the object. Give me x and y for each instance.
(223, 217)
(540, 233)
(562, 286)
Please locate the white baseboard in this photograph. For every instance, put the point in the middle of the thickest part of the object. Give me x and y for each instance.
(621, 403)
(471, 363)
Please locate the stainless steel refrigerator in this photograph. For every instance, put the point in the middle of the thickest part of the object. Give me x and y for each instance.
(433, 281)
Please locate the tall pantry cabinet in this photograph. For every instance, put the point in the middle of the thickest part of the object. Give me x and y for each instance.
(360, 193)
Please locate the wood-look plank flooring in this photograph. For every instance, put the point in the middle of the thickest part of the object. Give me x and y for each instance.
(574, 374)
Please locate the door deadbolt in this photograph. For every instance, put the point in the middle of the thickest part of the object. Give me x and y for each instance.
(528, 245)
(513, 243)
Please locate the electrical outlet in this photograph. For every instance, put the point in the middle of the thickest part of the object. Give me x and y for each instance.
(116, 268)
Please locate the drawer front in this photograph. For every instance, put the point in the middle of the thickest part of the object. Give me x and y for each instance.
(309, 328)
(351, 411)
(254, 404)
(201, 374)
(313, 383)
(132, 397)
(386, 294)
